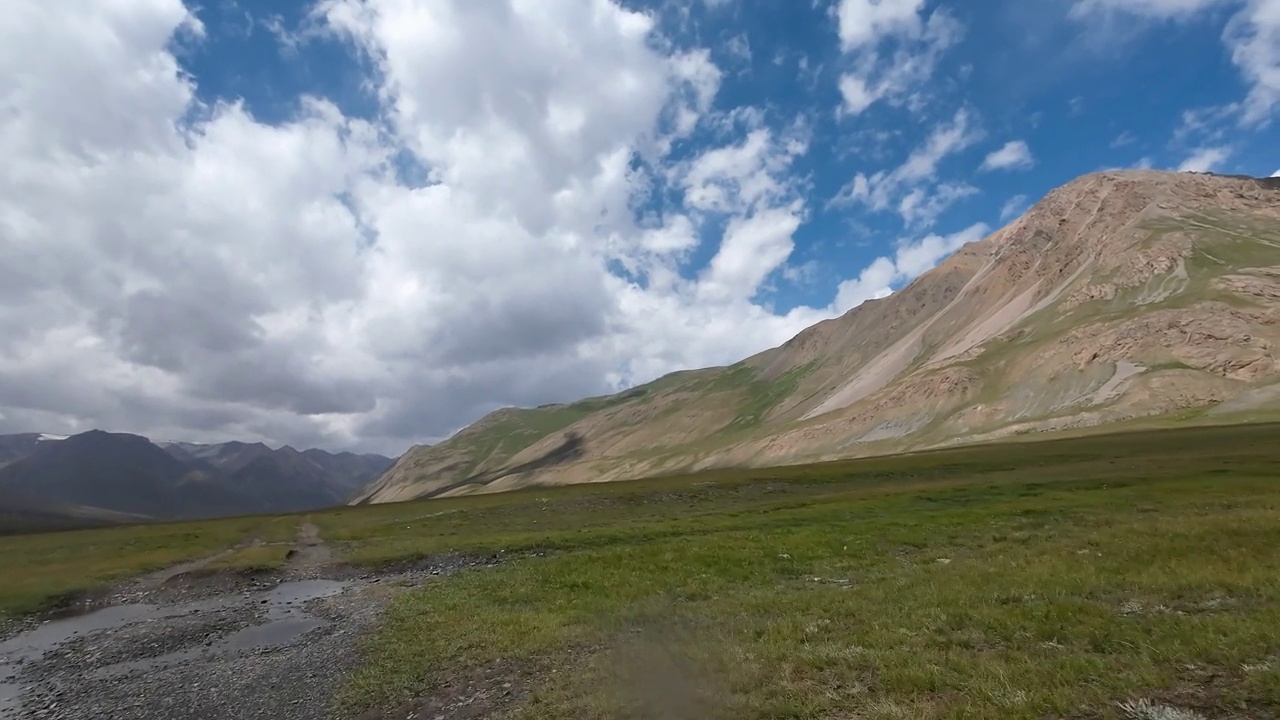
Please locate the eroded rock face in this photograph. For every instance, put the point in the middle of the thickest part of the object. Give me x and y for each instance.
(1120, 295)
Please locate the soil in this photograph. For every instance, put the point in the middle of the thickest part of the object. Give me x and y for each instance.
(188, 643)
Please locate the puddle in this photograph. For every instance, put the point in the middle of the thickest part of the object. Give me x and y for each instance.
(35, 643)
(279, 632)
(286, 622)
(282, 599)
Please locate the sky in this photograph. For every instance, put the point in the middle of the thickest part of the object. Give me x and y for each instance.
(363, 224)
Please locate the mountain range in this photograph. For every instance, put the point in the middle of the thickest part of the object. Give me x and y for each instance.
(102, 477)
(1124, 298)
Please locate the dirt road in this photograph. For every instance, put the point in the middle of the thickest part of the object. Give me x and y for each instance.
(188, 644)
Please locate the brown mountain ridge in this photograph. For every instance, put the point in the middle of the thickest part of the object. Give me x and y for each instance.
(1121, 298)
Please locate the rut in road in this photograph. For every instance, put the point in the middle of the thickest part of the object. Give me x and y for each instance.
(158, 578)
(309, 553)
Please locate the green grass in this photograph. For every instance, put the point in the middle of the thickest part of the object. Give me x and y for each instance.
(1049, 579)
(762, 396)
(513, 429)
(1045, 579)
(256, 558)
(42, 571)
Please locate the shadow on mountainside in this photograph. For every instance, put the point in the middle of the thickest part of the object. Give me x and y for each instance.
(573, 448)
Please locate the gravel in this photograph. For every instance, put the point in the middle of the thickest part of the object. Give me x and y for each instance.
(224, 646)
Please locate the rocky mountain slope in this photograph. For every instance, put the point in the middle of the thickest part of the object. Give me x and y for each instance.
(106, 477)
(1127, 297)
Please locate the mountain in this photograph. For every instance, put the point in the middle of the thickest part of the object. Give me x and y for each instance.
(16, 447)
(1125, 297)
(118, 472)
(114, 477)
(350, 471)
(230, 456)
(287, 479)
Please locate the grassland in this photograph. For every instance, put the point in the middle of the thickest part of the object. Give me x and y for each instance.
(255, 558)
(43, 571)
(1090, 577)
(1053, 579)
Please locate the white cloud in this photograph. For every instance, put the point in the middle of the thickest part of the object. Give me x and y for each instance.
(1123, 139)
(739, 47)
(752, 249)
(1276, 173)
(944, 141)
(894, 49)
(1015, 155)
(905, 187)
(1205, 125)
(911, 260)
(1164, 9)
(857, 96)
(738, 177)
(1205, 159)
(1013, 207)
(865, 22)
(921, 207)
(1252, 36)
(191, 271)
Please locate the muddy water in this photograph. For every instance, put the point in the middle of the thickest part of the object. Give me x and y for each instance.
(283, 620)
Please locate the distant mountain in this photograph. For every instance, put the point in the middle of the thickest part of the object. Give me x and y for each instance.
(120, 472)
(1135, 297)
(16, 447)
(287, 477)
(117, 476)
(228, 457)
(351, 471)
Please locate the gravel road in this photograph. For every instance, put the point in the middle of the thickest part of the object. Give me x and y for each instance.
(222, 646)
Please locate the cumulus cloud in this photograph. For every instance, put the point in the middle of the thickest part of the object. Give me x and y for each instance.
(190, 271)
(1015, 155)
(893, 48)
(1205, 159)
(912, 259)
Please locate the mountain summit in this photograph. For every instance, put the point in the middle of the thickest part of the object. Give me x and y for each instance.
(1122, 296)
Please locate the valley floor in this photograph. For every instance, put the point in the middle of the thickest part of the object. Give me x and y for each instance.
(1121, 576)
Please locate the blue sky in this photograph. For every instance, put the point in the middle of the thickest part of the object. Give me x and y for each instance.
(1082, 94)
(365, 223)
